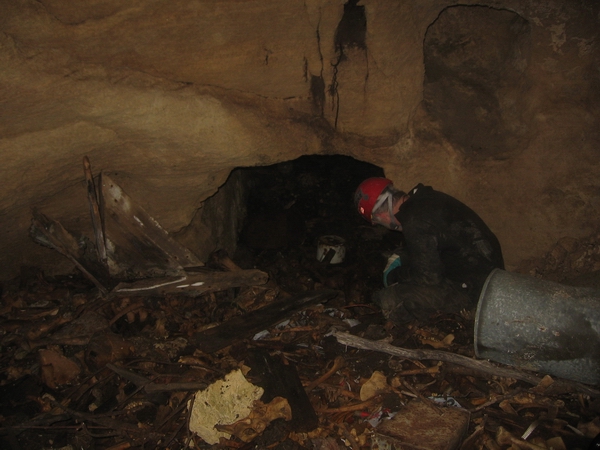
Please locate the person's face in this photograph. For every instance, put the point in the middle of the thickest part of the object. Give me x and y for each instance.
(386, 215)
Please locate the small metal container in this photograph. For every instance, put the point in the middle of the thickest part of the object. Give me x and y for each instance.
(331, 249)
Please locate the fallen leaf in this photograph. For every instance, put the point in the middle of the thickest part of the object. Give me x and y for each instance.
(376, 385)
(57, 369)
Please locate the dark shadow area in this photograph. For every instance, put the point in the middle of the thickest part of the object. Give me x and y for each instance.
(352, 29)
(294, 203)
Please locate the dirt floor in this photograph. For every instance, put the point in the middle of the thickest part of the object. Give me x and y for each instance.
(84, 370)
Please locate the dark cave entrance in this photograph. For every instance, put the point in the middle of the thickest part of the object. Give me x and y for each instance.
(291, 205)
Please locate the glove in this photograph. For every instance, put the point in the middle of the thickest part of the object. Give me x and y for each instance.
(394, 262)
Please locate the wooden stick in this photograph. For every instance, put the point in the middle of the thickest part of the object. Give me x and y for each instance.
(438, 355)
(150, 386)
(426, 401)
(353, 407)
(222, 259)
(94, 210)
(338, 363)
(490, 402)
(51, 233)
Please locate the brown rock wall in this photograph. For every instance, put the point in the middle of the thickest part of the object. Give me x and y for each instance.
(170, 96)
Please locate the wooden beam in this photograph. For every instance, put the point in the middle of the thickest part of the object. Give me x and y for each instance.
(192, 284)
(137, 246)
(246, 326)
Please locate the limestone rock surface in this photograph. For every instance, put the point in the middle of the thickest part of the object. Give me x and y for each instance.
(496, 104)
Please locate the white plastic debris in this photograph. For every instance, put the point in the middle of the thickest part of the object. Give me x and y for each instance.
(264, 334)
(446, 401)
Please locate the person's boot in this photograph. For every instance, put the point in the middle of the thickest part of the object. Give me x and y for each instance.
(402, 303)
(391, 302)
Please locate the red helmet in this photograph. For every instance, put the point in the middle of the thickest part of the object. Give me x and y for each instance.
(367, 193)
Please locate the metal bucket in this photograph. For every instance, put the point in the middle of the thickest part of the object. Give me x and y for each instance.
(331, 249)
(540, 326)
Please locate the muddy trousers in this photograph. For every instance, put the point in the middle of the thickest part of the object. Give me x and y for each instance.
(403, 303)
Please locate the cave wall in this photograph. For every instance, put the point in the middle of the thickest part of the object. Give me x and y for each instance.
(495, 103)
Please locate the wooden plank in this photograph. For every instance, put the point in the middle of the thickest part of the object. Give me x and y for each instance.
(248, 325)
(192, 284)
(137, 246)
(282, 380)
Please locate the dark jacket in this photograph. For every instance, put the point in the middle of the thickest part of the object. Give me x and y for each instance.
(446, 240)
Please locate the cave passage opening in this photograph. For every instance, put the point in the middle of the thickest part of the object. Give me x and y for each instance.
(290, 206)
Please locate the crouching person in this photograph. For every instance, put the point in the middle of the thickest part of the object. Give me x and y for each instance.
(448, 255)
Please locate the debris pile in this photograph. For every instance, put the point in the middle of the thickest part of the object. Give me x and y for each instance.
(292, 355)
(86, 371)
